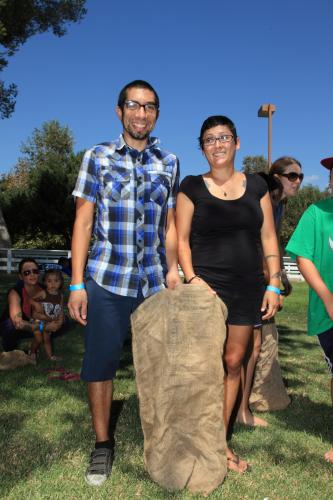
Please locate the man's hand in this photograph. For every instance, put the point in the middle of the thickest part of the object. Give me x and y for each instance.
(77, 306)
(172, 279)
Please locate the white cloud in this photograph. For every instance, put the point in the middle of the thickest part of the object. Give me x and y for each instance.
(311, 178)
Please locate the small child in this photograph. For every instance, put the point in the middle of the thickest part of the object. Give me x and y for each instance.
(47, 307)
(312, 245)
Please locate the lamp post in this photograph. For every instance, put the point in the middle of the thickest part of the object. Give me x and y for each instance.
(266, 111)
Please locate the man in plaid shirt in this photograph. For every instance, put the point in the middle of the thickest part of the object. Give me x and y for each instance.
(128, 186)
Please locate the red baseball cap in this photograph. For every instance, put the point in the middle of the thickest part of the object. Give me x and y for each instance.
(327, 163)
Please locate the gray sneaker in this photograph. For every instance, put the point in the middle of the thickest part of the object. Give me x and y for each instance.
(99, 467)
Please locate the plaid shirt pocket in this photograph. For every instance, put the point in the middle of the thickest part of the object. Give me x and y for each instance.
(117, 185)
(160, 186)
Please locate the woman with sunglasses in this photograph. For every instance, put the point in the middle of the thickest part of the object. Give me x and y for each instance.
(283, 181)
(225, 224)
(16, 320)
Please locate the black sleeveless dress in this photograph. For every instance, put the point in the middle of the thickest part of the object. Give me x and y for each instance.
(226, 246)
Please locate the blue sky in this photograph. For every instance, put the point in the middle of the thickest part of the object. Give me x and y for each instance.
(203, 58)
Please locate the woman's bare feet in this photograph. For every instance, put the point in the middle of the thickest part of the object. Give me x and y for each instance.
(235, 464)
(329, 456)
(247, 418)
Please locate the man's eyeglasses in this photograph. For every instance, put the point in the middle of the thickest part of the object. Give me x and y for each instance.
(293, 176)
(27, 272)
(211, 139)
(149, 107)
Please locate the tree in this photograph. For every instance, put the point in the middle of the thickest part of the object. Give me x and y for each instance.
(21, 19)
(36, 198)
(295, 207)
(253, 164)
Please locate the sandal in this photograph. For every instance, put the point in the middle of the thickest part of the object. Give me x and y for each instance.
(67, 376)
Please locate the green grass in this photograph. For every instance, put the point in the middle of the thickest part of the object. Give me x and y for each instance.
(46, 435)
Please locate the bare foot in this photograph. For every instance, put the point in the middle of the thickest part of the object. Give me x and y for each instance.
(247, 418)
(55, 358)
(329, 456)
(235, 463)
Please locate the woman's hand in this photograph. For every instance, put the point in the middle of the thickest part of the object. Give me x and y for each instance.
(199, 281)
(172, 279)
(270, 304)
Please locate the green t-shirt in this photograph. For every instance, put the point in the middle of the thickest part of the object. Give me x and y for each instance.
(313, 240)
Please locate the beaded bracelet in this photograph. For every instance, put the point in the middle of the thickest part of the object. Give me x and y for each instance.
(191, 279)
(79, 286)
(274, 289)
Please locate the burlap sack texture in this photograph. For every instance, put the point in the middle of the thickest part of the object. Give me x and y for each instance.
(14, 359)
(178, 339)
(268, 390)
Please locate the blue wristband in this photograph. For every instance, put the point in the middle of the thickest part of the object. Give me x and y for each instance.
(41, 326)
(79, 286)
(274, 289)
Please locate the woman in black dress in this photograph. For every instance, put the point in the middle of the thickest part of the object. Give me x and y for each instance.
(224, 223)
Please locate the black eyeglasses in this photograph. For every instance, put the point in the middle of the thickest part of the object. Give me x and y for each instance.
(293, 176)
(30, 271)
(149, 107)
(212, 139)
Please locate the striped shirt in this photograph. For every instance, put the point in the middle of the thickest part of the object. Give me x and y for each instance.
(133, 191)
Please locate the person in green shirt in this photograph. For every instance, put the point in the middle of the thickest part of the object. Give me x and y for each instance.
(312, 246)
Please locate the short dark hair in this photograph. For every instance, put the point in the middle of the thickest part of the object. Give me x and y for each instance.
(24, 261)
(137, 84)
(57, 272)
(215, 121)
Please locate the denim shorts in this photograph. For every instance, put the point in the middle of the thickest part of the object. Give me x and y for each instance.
(107, 327)
(326, 342)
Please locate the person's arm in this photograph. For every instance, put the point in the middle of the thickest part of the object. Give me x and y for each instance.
(172, 277)
(38, 311)
(315, 281)
(184, 215)
(77, 303)
(16, 315)
(270, 247)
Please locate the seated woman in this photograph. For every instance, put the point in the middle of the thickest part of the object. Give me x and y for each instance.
(224, 223)
(16, 320)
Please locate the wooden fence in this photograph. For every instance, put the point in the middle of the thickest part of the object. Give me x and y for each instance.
(10, 258)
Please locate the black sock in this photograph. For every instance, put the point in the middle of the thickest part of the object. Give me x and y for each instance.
(104, 444)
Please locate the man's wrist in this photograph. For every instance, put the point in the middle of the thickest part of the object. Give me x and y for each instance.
(73, 287)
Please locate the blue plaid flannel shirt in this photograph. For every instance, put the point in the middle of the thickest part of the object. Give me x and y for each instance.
(133, 191)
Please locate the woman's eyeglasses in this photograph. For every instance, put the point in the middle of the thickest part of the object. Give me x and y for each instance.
(30, 271)
(293, 176)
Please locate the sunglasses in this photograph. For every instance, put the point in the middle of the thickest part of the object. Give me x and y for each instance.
(293, 176)
(30, 271)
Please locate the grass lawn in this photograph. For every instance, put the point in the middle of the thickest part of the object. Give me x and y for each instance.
(46, 434)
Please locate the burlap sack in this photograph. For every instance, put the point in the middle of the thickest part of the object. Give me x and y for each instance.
(10, 360)
(268, 390)
(178, 339)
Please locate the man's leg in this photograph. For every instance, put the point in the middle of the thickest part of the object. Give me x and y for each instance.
(100, 400)
(106, 330)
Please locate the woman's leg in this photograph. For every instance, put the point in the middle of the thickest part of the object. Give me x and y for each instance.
(238, 337)
(244, 415)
